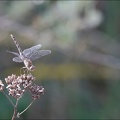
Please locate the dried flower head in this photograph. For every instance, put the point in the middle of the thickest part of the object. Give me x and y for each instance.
(27, 80)
(16, 84)
(13, 86)
(36, 91)
(1, 86)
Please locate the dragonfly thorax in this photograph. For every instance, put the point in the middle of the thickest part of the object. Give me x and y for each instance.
(28, 64)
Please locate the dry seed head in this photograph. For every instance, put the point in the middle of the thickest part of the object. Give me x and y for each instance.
(1, 86)
(36, 91)
(27, 80)
(16, 84)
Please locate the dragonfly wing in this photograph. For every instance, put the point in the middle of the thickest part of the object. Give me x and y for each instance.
(31, 50)
(13, 53)
(39, 54)
(17, 59)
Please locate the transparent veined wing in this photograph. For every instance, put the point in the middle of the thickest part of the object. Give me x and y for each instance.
(39, 54)
(29, 51)
(13, 53)
(17, 59)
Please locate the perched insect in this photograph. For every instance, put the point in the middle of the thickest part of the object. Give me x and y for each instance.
(28, 55)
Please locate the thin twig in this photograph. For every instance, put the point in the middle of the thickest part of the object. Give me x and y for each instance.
(26, 108)
(15, 110)
(8, 98)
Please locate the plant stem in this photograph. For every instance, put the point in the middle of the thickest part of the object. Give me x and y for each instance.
(26, 108)
(15, 110)
(8, 98)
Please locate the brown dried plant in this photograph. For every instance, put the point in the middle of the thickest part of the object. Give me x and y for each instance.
(17, 86)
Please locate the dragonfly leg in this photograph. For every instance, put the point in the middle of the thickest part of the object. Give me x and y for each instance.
(24, 69)
(28, 72)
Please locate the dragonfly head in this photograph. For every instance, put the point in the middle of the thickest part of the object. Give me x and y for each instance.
(32, 68)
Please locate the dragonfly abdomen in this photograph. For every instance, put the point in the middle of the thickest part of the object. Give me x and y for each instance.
(17, 45)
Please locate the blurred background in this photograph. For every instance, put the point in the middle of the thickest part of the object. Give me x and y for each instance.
(81, 76)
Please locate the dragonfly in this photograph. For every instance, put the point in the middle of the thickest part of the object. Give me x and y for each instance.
(28, 55)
